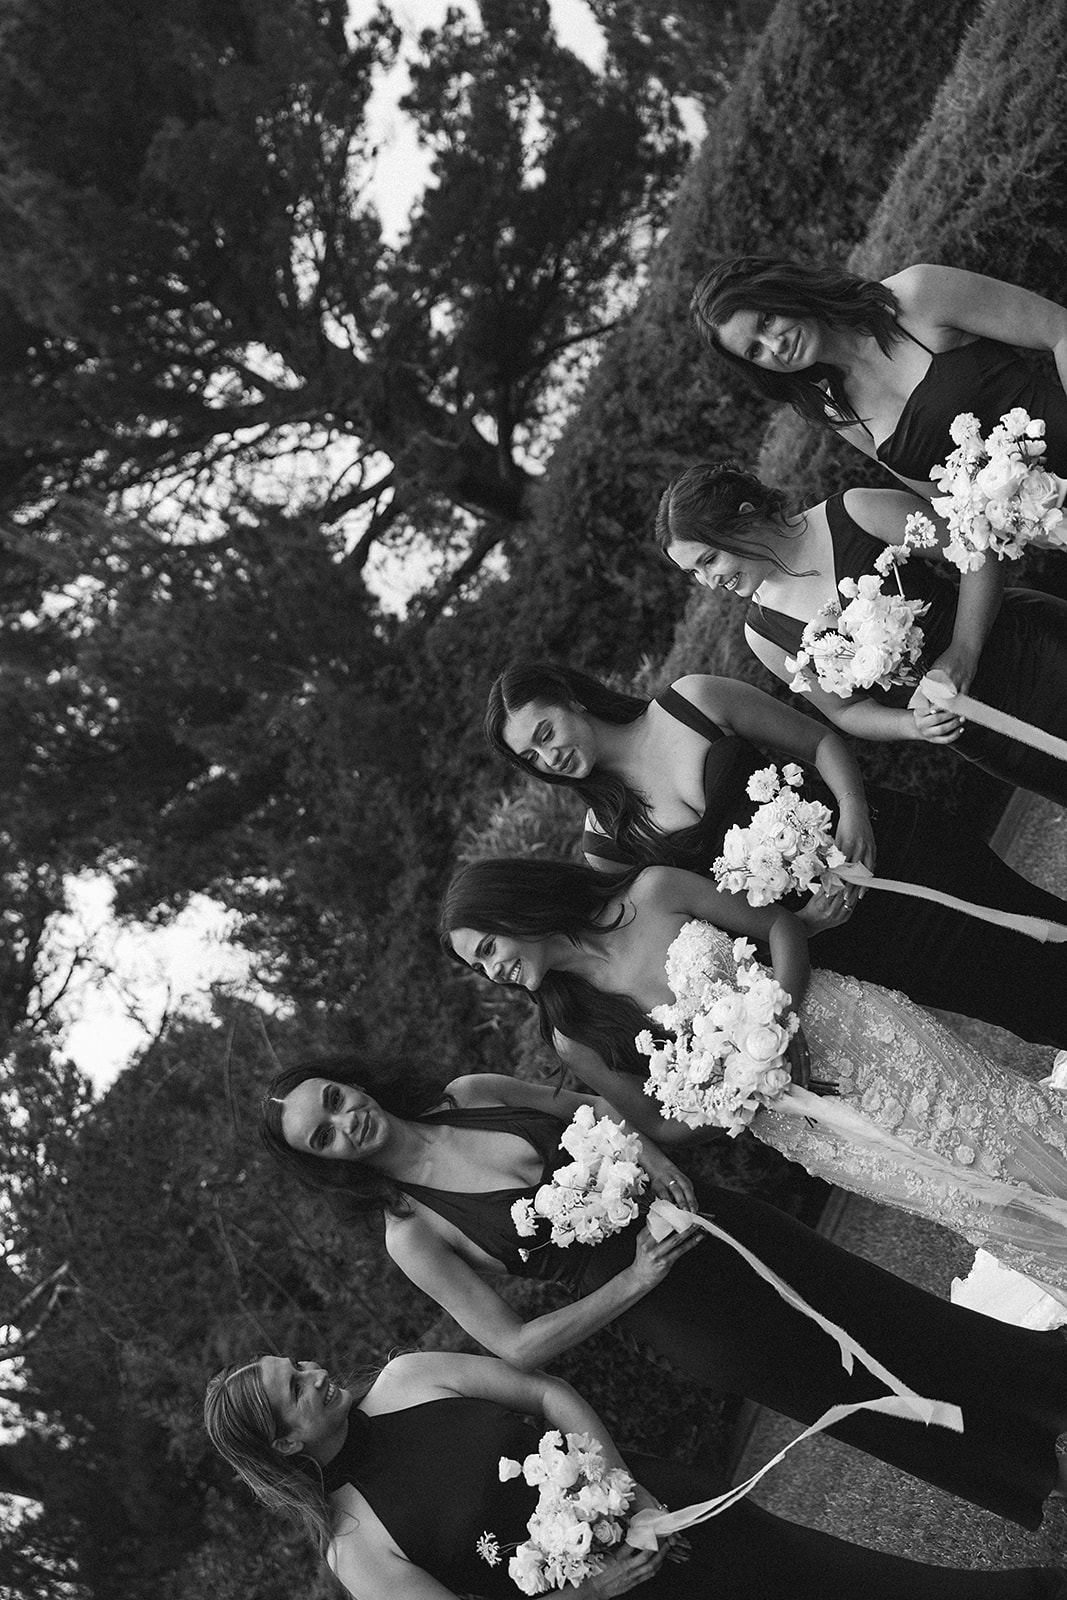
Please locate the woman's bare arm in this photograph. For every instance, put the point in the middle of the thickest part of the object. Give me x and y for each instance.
(743, 709)
(936, 297)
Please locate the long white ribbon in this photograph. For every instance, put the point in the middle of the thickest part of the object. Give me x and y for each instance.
(647, 1527)
(1039, 928)
(665, 1218)
(940, 692)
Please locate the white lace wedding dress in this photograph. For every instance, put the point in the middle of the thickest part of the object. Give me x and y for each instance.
(925, 1123)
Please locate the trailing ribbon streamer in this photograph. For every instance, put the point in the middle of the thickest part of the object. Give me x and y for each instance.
(940, 692)
(648, 1527)
(1034, 927)
(664, 1218)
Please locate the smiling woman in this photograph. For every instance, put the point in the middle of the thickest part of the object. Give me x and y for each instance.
(1009, 652)
(448, 1178)
(889, 365)
(402, 1491)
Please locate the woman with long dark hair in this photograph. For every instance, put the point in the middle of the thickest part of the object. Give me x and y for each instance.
(448, 1179)
(733, 533)
(933, 1127)
(664, 780)
(889, 365)
(398, 1485)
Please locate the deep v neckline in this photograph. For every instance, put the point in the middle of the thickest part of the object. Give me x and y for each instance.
(523, 1137)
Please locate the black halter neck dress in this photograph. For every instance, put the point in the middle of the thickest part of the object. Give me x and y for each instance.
(715, 1320)
(430, 1474)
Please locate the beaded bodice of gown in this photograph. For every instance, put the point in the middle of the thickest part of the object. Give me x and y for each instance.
(990, 1147)
(986, 378)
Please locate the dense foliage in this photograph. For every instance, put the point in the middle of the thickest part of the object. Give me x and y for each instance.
(190, 285)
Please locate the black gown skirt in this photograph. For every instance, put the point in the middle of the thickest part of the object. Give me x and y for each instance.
(715, 1320)
(430, 1473)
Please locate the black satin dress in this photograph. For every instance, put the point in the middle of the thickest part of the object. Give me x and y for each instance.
(405, 1464)
(986, 378)
(715, 1320)
(937, 956)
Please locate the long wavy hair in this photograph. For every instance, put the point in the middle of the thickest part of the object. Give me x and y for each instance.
(703, 506)
(242, 1426)
(620, 811)
(530, 898)
(352, 1188)
(789, 288)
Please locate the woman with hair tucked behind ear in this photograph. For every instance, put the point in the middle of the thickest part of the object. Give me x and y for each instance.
(735, 534)
(399, 1486)
(447, 1180)
(924, 1123)
(888, 365)
(664, 780)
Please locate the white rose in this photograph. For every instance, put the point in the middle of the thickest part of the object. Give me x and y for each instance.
(767, 1042)
(1000, 478)
(868, 664)
(1039, 493)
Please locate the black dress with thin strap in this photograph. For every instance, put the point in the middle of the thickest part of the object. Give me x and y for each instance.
(937, 956)
(728, 764)
(715, 1320)
(404, 1463)
(1022, 670)
(986, 378)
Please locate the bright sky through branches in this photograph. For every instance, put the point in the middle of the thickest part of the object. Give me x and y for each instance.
(136, 974)
(402, 167)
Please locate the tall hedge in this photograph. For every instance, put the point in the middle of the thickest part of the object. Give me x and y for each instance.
(796, 159)
(983, 185)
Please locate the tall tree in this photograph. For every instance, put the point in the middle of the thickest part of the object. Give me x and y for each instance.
(193, 282)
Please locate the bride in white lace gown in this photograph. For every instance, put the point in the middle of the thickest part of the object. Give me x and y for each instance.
(921, 1120)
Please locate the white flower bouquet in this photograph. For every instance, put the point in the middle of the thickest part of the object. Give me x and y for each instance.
(596, 1194)
(873, 640)
(787, 846)
(580, 1513)
(727, 1055)
(996, 494)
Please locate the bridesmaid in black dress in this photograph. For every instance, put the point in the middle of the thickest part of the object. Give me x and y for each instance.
(889, 365)
(733, 533)
(400, 1483)
(665, 779)
(446, 1180)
